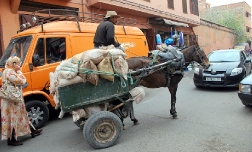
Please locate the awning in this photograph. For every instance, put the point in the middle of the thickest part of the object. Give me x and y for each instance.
(162, 21)
(169, 22)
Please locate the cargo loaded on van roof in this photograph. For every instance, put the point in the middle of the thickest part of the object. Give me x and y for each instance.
(42, 45)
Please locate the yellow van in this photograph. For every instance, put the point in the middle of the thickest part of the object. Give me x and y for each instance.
(41, 48)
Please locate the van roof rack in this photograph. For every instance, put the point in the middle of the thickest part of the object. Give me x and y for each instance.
(41, 17)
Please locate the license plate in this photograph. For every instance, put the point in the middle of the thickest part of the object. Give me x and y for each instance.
(212, 79)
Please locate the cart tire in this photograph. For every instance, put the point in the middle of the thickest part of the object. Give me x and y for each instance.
(38, 113)
(102, 129)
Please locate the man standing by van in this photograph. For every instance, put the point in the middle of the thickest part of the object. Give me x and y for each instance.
(105, 31)
(247, 48)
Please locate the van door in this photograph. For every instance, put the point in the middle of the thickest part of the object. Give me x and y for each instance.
(50, 51)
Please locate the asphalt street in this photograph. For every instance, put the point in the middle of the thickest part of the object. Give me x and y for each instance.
(210, 120)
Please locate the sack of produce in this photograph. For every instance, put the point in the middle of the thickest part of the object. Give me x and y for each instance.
(121, 66)
(65, 82)
(106, 68)
(95, 55)
(67, 69)
(88, 72)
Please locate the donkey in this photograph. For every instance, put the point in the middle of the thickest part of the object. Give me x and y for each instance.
(167, 77)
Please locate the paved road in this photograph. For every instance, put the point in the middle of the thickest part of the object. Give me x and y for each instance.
(210, 120)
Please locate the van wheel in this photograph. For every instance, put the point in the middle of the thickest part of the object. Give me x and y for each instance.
(38, 113)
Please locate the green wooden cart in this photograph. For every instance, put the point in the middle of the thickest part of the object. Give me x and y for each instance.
(103, 129)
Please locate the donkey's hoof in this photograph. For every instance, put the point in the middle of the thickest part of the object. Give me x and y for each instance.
(136, 123)
(175, 117)
(124, 128)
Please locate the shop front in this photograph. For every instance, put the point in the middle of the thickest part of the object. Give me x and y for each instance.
(169, 32)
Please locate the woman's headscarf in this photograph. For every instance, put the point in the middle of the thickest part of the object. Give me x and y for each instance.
(13, 59)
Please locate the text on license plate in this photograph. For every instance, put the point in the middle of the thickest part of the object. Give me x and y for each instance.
(212, 79)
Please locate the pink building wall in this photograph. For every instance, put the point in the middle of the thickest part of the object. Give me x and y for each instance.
(9, 22)
(213, 37)
(209, 38)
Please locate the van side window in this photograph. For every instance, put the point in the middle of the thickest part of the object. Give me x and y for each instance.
(39, 50)
(55, 49)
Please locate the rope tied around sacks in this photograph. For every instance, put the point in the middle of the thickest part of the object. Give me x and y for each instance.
(90, 71)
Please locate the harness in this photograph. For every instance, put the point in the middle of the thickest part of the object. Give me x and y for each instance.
(169, 70)
(172, 69)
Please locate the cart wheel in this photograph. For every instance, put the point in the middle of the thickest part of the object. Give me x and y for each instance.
(102, 129)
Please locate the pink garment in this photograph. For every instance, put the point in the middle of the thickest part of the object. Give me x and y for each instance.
(14, 115)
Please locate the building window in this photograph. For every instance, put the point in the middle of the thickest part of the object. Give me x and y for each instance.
(170, 4)
(194, 8)
(184, 5)
(248, 29)
(147, 0)
(247, 14)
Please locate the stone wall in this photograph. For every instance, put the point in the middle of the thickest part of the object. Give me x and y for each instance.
(212, 36)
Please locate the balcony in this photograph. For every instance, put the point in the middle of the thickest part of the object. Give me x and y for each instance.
(125, 7)
(134, 8)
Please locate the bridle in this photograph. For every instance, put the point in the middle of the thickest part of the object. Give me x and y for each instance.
(200, 55)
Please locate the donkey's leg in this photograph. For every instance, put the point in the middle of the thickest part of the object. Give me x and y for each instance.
(173, 86)
(132, 115)
(173, 91)
(123, 124)
(117, 112)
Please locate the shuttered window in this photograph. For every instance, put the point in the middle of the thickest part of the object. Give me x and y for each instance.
(194, 8)
(170, 4)
(184, 5)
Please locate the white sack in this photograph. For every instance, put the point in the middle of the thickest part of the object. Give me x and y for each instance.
(95, 55)
(76, 59)
(64, 82)
(80, 113)
(53, 83)
(121, 66)
(67, 69)
(137, 94)
(116, 53)
(56, 99)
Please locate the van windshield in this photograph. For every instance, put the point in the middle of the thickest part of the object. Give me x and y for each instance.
(17, 47)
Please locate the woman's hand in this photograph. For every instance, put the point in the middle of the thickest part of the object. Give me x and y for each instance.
(16, 67)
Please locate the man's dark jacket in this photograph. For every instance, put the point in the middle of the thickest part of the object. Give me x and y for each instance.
(105, 34)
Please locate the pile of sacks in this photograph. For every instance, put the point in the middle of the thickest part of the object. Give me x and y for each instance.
(89, 66)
